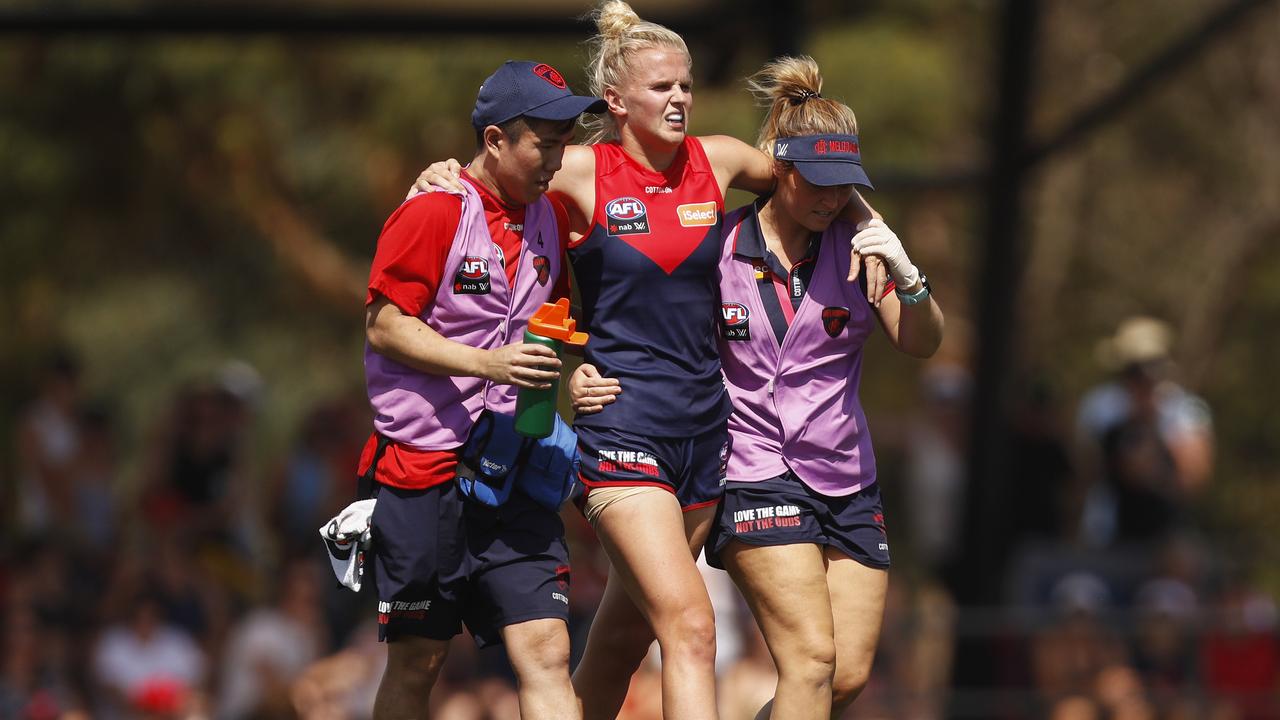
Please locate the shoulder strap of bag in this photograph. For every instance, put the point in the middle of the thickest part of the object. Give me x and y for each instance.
(364, 483)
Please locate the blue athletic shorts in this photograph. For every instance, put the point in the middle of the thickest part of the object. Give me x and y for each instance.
(440, 561)
(693, 468)
(785, 511)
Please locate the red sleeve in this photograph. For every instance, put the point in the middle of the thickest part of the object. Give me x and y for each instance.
(561, 288)
(412, 250)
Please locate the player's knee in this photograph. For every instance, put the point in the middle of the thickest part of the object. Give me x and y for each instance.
(847, 685)
(811, 662)
(691, 629)
(416, 660)
(548, 658)
(539, 649)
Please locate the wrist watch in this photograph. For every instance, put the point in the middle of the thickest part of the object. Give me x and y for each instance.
(915, 297)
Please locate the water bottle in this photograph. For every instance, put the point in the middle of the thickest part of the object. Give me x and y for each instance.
(550, 327)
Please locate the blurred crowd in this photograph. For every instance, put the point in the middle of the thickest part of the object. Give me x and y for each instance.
(195, 585)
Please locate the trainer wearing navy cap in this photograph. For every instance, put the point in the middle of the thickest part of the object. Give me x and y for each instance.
(824, 160)
(511, 91)
(801, 526)
(455, 279)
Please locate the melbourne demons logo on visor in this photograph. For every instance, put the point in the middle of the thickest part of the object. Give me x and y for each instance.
(472, 277)
(626, 216)
(543, 267)
(550, 74)
(834, 319)
(737, 318)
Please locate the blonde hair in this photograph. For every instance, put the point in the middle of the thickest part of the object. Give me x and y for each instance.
(790, 86)
(620, 34)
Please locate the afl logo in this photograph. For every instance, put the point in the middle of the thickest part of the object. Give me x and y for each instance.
(623, 209)
(474, 268)
(472, 277)
(736, 321)
(550, 74)
(627, 216)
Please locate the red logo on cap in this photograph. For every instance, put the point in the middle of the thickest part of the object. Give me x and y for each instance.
(550, 74)
(822, 147)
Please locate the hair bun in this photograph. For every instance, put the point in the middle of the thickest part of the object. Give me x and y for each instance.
(615, 17)
(804, 96)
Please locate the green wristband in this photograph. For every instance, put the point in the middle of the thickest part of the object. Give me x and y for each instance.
(916, 297)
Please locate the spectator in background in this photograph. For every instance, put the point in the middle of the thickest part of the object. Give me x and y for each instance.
(1039, 506)
(1121, 695)
(1240, 655)
(317, 480)
(342, 686)
(936, 444)
(197, 473)
(1075, 707)
(1164, 644)
(1068, 654)
(142, 658)
(271, 647)
(35, 680)
(171, 574)
(1147, 440)
(66, 453)
(93, 492)
(48, 441)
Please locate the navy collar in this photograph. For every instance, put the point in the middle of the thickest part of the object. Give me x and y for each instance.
(749, 242)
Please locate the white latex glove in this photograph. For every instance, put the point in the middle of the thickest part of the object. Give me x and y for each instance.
(346, 537)
(875, 238)
(352, 524)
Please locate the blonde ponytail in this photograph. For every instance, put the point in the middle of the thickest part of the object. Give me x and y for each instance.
(792, 88)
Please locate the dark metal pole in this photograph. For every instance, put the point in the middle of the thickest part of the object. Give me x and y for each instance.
(977, 580)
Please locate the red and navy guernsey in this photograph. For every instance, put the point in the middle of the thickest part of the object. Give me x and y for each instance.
(647, 274)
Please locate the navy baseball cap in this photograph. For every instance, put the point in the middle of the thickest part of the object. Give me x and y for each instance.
(535, 90)
(832, 159)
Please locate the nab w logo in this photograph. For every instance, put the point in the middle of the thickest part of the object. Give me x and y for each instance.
(737, 319)
(781, 150)
(627, 216)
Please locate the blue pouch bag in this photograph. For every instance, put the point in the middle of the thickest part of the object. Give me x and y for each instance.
(548, 474)
(491, 453)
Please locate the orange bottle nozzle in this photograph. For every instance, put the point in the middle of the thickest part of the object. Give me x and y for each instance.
(552, 321)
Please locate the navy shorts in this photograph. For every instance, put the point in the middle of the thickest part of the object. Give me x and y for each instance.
(785, 511)
(441, 561)
(691, 468)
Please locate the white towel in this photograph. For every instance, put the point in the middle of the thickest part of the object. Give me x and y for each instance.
(346, 537)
